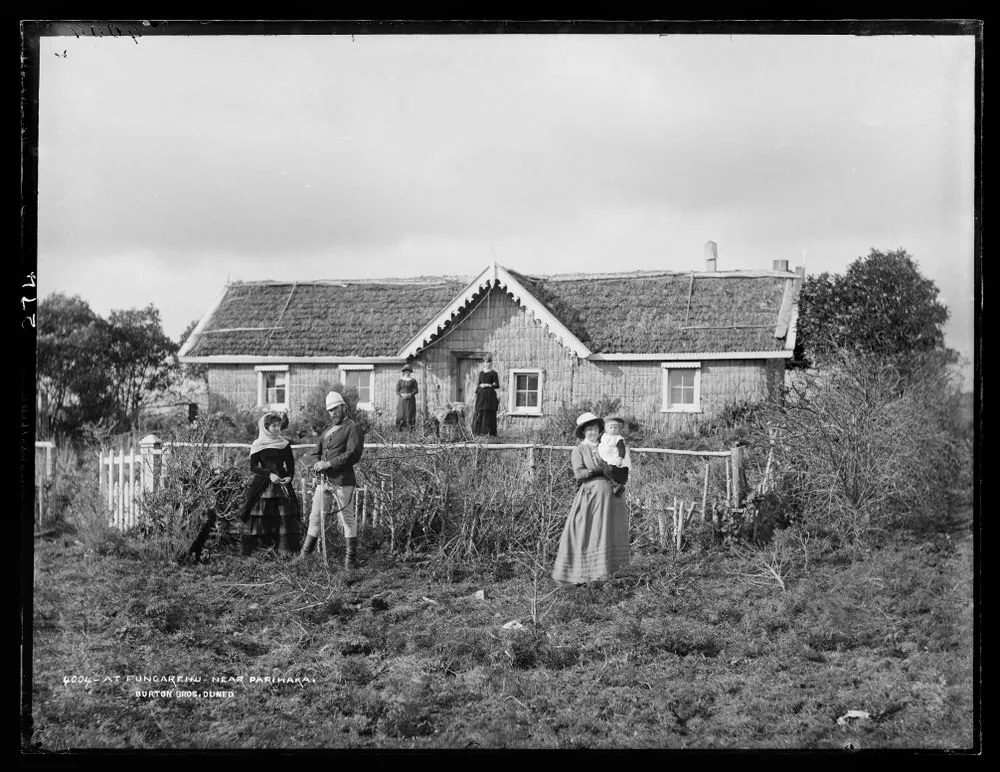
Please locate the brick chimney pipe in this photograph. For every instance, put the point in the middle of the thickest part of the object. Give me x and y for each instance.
(781, 265)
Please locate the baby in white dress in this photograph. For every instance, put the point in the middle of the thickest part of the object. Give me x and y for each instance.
(613, 450)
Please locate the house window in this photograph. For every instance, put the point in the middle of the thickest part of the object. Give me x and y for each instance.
(359, 378)
(681, 387)
(272, 387)
(525, 392)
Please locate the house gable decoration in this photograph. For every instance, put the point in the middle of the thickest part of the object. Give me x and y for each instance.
(494, 275)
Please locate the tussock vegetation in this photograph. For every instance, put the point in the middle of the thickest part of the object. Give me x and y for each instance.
(676, 651)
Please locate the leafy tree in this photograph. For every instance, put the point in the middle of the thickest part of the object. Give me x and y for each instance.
(881, 306)
(139, 357)
(71, 378)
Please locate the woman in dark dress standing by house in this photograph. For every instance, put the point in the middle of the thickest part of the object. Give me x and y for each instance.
(484, 415)
(271, 512)
(406, 407)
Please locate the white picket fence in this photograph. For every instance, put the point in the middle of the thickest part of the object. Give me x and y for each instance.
(127, 473)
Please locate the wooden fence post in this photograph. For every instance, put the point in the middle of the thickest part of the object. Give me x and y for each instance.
(120, 503)
(40, 501)
(704, 495)
(151, 449)
(379, 502)
(102, 476)
(739, 476)
(111, 480)
(133, 514)
(305, 509)
(766, 482)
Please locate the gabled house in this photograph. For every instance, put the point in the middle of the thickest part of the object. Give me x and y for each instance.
(675, 348)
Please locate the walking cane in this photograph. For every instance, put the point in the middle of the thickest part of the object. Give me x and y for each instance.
(320, 484)
(322, 521)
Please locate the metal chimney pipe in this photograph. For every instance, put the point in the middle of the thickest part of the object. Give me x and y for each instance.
(711, 255)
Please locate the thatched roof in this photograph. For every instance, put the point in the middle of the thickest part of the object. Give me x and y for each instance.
(636, 313)
(351, 319)
(667, 312)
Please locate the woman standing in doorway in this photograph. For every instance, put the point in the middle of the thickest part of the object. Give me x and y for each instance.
(484, 416)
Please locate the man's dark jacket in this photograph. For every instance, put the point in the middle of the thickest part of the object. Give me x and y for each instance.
(343, 449)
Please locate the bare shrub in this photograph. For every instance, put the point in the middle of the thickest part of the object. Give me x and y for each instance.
(480, 508)
(464, 504)
(862, 446)
(198, 475)
(768, 567)
(71, 474)
(657, 480)
(87, 514)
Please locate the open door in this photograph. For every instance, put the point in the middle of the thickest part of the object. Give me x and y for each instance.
(466, 381)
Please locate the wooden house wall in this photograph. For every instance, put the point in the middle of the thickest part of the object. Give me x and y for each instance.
(515, 339)
(639, 387)
(567, 381)
(232, 386)
(236, 385)
(498, 326)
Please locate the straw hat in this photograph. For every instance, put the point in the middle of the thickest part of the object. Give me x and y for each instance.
(407, 369)
(333, 399)
(584, 420)
(614, 417)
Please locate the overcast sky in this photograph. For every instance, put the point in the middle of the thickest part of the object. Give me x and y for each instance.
(170, 165)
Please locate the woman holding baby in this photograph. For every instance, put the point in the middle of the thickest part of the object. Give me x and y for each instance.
(595, 539)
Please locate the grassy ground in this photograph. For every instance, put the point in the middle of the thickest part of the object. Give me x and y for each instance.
(697, 650)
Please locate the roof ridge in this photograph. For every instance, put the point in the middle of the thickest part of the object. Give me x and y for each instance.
(577, 276)
(424, 280)
(734, 274)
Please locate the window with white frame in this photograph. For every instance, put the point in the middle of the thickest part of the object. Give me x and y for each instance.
(681, 387)
(525, 392)
(359, 378)
(272, 387)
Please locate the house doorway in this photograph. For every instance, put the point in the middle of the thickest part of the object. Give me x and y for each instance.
(467, 378)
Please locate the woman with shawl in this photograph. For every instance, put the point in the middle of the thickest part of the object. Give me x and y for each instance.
(271, 512)
(595, 540)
